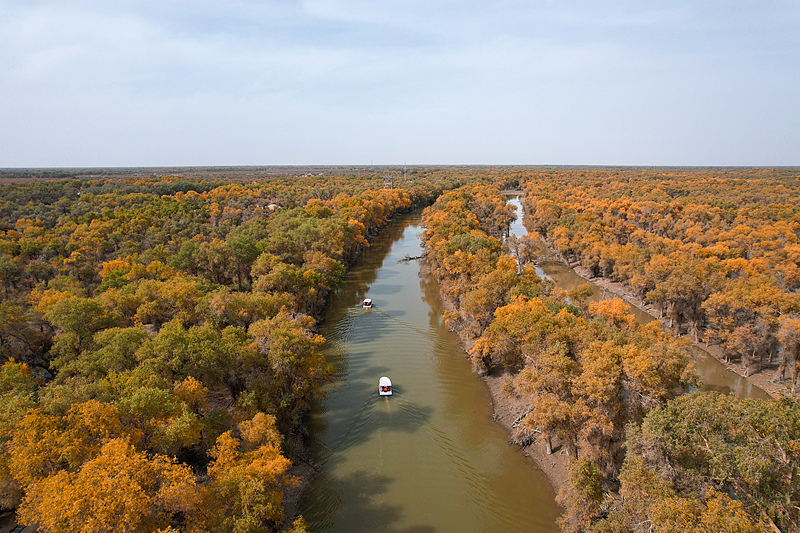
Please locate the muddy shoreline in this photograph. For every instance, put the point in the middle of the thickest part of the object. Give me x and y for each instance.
(766, 379)
(555, 466)
(505, 412)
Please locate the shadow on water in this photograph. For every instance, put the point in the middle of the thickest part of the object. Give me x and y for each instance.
(430, 291)
(368, 513)
(346, 428)
(368, 488)
(360, 279)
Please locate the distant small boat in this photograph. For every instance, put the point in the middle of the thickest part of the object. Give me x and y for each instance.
(385, 386)
(367, 303)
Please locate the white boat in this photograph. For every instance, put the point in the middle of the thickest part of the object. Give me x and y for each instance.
(385, 386)
(367, 303)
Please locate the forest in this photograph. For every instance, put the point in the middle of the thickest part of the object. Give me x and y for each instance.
(158, 342)
(715, 250)
(716, 253)
(159, 346)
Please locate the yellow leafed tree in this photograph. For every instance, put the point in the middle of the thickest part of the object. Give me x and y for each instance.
(119, 491)
(247, 479)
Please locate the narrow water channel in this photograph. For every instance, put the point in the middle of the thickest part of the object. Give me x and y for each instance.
(429, 458)
(714, 374)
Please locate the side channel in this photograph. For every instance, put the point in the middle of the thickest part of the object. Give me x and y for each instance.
(429, 458)
(713, 373)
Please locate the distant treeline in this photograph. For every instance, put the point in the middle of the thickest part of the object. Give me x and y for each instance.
(159, 348)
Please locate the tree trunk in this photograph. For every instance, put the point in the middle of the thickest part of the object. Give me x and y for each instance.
(572, 447)
(239, 279)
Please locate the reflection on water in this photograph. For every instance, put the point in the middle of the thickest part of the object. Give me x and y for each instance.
(714, 374)
(429, 458)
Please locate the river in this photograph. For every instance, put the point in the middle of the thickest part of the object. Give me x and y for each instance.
(714, 374)
(430, 458)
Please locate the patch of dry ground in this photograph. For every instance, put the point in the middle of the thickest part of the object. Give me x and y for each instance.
(506, 410)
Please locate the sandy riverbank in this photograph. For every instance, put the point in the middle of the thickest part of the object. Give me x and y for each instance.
(555, 466)
(767, 379)
(506, 410)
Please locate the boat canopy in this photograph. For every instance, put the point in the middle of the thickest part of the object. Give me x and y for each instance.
(385, 386)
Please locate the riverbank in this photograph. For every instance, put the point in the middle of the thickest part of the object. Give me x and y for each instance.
(767, 378)
(555, 466)
(304, 468)
(506, 411)
(431, 457)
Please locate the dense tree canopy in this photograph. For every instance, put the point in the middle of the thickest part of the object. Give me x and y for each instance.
(716, 251)
(158, 346)
(582, 372)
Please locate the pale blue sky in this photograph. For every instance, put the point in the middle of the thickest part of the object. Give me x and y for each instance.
(240, 82)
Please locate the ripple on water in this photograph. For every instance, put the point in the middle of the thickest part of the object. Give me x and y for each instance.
(429, 458)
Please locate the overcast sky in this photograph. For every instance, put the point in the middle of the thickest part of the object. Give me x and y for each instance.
(268, 82)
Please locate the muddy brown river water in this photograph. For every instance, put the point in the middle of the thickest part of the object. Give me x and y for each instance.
(430, 458)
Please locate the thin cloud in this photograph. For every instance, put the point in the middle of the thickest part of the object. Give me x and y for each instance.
(145, 82)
